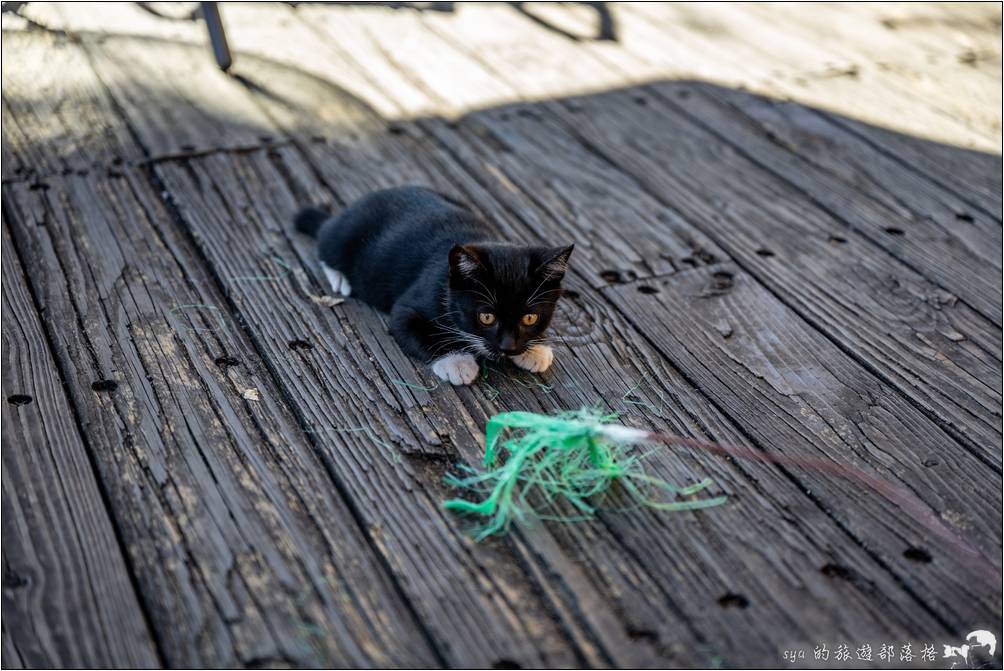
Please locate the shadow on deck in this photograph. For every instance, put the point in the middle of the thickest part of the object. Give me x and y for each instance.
(249, 476)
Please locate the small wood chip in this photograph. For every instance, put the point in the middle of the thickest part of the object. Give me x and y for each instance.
(251, 394)
(326, 301)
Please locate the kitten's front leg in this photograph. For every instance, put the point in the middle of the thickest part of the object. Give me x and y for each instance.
(456, 368)
(419, 339)
(535, 359)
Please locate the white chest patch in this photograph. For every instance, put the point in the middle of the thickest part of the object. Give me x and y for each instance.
(339, 283)
(536, 359)
(456, 368)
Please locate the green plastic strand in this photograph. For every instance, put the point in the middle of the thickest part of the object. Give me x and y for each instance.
(537, 465)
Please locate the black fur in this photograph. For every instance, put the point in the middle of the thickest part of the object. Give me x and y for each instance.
(431, 263)
(308, 220)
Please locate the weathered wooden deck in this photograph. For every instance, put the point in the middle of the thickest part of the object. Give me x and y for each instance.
(788, 237)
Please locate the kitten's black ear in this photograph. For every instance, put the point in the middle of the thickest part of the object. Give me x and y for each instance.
(465, 261)
(556, 263)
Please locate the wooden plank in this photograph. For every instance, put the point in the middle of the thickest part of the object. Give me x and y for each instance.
(68, 597)
(937, 71)
(243, 548)
(10, 654)
(678, 60)
(782, 133)
(942, 32)
(828, 422)
(527, 183)
(529, 177)
(691, 46)
(491, 631)
(777, 47)
(862, 187)
(858, 104)
(353, 168)
(56, 117)
(177, 101)
(386, 446)
(635, 584)
(938, 352)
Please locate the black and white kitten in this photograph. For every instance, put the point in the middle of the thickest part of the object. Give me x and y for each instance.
(452, 293)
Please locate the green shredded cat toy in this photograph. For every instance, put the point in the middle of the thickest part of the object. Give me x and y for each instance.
(539, 466)
(534, 462)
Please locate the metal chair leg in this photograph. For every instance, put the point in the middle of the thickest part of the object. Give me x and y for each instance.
(217, 35)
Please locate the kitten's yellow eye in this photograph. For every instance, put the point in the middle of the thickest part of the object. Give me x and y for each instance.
(486, 318)
(529, 319)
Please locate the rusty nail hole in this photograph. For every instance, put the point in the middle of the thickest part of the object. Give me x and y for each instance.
(505, 664)
(641, 634)
(919, 555)
(964, 216)
(837, 240)
(646, 289)
(611, 276)
(766, 253)
(836, 571)
(227, 361)
(12, 580)
(931, 461)
(892, 230)
(19, 399)
(721, 281)
(105, 385)
(300, 344)
(732, 600)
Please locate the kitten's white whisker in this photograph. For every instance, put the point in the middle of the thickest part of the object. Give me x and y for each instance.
(490, 292)
(534, 294)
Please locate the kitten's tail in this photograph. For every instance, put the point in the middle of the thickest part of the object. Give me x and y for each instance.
(309, 220)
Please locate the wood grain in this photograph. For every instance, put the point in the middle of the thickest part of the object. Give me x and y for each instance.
(783, 236)
(624, 573)
(386, 447)
(965, 160)
(56, 116)
(719, 279)
(241, 547)
(68, 599)
(274, 466)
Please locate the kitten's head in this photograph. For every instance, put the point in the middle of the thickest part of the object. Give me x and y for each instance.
(504, 295)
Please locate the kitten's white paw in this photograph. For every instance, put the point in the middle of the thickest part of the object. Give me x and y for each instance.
(536, 359)
(456, 368)
(339, 283)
